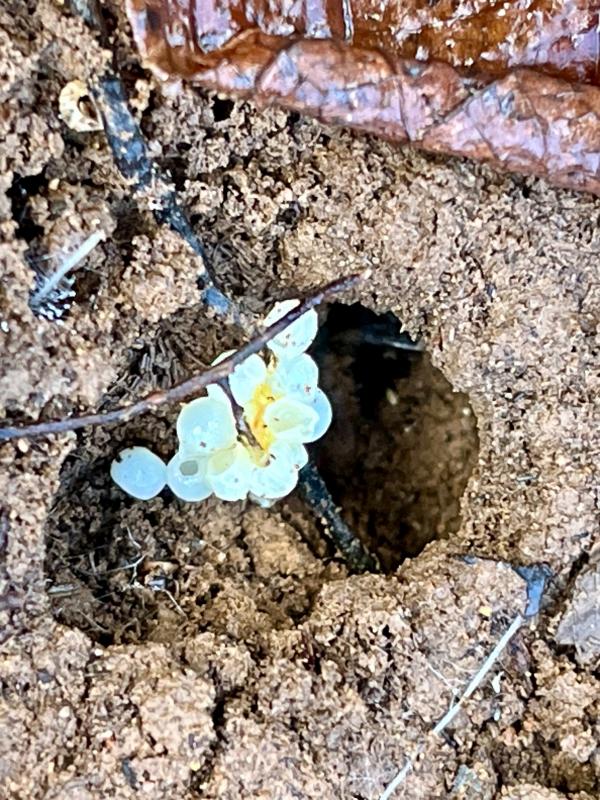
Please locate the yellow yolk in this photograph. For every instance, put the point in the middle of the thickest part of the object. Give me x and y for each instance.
(255, 411)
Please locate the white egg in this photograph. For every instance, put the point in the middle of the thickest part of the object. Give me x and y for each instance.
(186, 476)
(290, 420)
(206, 424)
(279, 476)
(246, 378)
(322, 407)
(229, 472)
(298, 336)
(298, 376)
(139, 472)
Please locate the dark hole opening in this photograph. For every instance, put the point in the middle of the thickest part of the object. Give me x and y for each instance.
(222, 109)
(23, 188)
(402, 444)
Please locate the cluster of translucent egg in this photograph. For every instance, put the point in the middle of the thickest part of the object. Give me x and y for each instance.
(282, 410)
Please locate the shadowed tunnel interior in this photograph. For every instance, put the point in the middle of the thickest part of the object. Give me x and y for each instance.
(403, 443)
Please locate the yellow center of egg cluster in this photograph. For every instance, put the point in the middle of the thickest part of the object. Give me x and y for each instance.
(255, 411)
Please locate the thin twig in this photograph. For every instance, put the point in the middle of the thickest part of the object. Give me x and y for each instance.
(189, 387)
(136, 165)
(483, 670)
(316, 494)
(175, 603)
(473, 685)
(70, 262)
(238, 413)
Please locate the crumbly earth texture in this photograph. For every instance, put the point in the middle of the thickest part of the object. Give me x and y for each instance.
(172, 651)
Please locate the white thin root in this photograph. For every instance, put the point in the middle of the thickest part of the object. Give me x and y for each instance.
(50, 283)
(474, 684)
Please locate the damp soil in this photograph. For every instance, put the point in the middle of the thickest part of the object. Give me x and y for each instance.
(166, 650)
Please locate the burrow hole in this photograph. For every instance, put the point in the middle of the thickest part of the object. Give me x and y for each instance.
(396, 459)
(403, 443)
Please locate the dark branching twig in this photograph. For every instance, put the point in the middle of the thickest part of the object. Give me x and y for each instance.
(315, 492)
(190, 387)
(136, 165)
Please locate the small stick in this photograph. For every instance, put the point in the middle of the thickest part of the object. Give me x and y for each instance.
(238, 413)
(191, 386)
(316, 494)
(136, 165)
(474, 683)
(477, 679)
(84, 249)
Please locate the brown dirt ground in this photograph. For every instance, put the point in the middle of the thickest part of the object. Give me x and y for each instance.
(222, 651)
